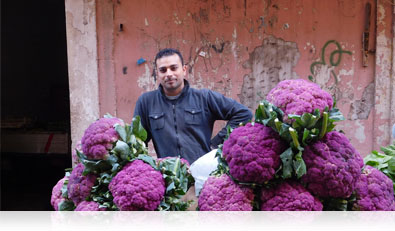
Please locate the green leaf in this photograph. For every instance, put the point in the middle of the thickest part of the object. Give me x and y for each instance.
(330, 127)
(284, 132)
(108, 115)
(260, 114)
(132, 140)
(309, 120)
(388, 151)
(93, 166)
(64, 189)
(286, 158)
(66, 205)
(391, 166)
(335, 115)
(121, 131)
(170, 187)
(306, 136)
(266, 113)
(148, 159)
(116, 167)
(112, 159)
(299, 165)
(122, 149)
(138, 129)
(376, 159)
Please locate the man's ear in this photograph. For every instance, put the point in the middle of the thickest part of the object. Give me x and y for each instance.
(184, 69)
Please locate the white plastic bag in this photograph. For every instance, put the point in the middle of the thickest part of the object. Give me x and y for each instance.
(202, 167)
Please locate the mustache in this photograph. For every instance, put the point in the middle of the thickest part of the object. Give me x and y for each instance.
(170, 78)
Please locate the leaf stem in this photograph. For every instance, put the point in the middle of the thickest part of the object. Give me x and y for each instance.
(294, 136)
(324, 124)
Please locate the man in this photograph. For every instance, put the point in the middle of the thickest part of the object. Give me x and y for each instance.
(179, 119)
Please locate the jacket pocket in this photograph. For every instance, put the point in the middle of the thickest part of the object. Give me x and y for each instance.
(193, 116)
(157, 120)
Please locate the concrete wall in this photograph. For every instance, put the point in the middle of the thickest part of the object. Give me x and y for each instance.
(83, 68)
(243, 49)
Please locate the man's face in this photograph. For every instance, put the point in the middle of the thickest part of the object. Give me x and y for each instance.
(171, 74)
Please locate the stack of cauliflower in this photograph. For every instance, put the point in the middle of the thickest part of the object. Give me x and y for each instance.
(114, 172)
(290, 158)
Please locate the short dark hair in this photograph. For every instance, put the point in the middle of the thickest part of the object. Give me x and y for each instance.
(168, 52)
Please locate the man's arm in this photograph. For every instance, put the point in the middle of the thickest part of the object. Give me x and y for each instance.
(225, 108)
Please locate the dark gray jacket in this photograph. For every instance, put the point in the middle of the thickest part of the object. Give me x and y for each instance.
(183, 127)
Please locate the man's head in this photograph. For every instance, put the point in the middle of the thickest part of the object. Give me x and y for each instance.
(170, 70)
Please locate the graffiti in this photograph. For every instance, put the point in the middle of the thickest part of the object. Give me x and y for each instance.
(334, 59)
(207, 56)
(218, 50)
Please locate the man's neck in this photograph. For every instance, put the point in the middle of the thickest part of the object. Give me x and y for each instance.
(173, 97)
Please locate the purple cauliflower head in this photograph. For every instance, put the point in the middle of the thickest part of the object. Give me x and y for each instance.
(253, 153)
(137, 186)
(289, 196)
(56, 197)
(374, 191)
(100, 137)
(333, 166)
(223, 194)
(80, 186)
(298, 96)
(89, 206)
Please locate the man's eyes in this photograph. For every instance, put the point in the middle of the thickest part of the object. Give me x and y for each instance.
(164, 69)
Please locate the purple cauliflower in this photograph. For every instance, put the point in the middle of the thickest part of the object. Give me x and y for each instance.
(298, 96)
(222, 194)
(80, 186)
(374, 191)
(289, 196)
(89, 206)
(100, 137)
(56, 197)
(253, 153)
(137, 186)
(333, 166)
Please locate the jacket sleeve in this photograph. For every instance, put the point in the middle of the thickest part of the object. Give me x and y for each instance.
(224, 108)
(141, 110)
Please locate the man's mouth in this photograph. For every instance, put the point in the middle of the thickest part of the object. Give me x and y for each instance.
(170, 81)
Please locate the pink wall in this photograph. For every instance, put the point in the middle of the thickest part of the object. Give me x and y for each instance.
(244, 48)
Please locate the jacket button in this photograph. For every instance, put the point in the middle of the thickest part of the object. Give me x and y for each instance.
(156, 117)
(193, 111)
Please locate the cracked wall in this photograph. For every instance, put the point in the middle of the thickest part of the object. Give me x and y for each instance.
(360, 109)
(270, 63)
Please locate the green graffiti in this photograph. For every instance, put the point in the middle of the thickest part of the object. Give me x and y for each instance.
(334, 59)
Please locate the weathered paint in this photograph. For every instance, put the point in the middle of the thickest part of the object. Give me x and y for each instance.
(392, 80)
(383, 83)
(227, 46)
(270, 63)
(82, 62)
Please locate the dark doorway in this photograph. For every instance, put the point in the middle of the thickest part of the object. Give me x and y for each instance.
(35, 107)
